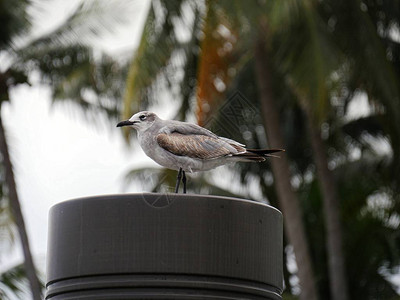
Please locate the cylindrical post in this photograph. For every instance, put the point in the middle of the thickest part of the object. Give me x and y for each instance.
(164, 246)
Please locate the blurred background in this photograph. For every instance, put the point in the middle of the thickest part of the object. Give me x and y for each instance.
(318, 78)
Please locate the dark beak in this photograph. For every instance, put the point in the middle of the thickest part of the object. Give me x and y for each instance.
(125, 123)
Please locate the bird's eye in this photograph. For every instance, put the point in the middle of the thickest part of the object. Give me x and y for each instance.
(142, 117)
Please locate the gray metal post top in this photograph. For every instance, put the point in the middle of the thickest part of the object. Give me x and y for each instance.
(164, 246)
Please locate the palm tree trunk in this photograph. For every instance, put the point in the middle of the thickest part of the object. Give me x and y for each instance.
(337, 272)
(18, 218)
(288, 200)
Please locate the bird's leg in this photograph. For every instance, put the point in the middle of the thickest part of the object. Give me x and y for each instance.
(184, 182)
(178, 180)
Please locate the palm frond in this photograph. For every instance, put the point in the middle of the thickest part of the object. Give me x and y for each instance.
(13, 283)
(67, 62)
(161, 180)
(7, 226)
(14, 21)
(12, 277)
(364, 228)
(96, 85)
(188, 84)
(152, 179)
(161, 54)
(157, 46)
(87, 22)
(213, 64)
(371, 68)
(308, 56)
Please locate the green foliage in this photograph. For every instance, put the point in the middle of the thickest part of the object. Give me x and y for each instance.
(67, 62)
(163, 180)
(14, 21)
(13, 283)
(96, 85)
(305, 47)
(371, 240)
(162, 55)
(323, 53)
(159, 55)
(64, 59)
(7, 227)
(354, 186)
(87, 22)
(12, 280)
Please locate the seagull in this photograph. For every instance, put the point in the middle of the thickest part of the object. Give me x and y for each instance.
(187, 147)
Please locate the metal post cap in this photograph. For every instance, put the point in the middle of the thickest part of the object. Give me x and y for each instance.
(164, 246)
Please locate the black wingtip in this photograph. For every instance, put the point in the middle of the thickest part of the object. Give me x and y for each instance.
(265, 151)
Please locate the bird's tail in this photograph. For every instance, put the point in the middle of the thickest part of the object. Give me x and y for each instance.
(259, 154)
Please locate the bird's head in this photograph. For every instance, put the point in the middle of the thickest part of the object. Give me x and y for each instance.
(140, 121)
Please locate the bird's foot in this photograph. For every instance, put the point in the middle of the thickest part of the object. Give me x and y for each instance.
(184, 182)
(178, 180)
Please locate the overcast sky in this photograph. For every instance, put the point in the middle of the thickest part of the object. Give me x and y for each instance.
(57, 154)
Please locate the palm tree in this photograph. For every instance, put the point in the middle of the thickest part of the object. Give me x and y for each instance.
(354, 191)
(316, 56)
(281, 168)
(298, 39)
(14, 16)
(69, 67)
(321, 53)
(153, 62)
(314, 51)
(18, 218)
(13, 283)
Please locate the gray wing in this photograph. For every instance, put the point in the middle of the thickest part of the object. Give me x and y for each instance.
(193, 129)
(185, 128)
(197, 145)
